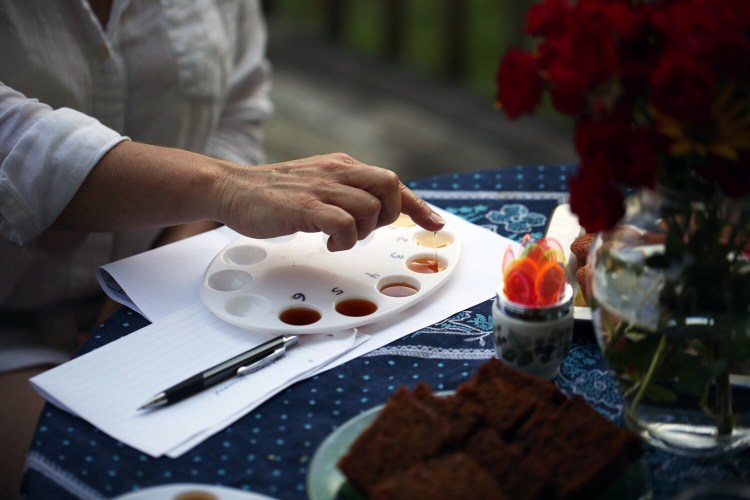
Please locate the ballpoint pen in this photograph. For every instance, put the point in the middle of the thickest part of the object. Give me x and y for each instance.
(242, 364)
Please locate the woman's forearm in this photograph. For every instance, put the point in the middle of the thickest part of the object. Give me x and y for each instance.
(138, 186)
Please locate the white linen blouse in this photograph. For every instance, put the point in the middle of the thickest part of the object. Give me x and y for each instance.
(186, 74)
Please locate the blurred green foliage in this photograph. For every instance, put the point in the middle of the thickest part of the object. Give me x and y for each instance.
(489, 28)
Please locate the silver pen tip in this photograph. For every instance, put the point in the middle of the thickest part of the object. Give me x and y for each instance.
(290, 340)
(158, 400)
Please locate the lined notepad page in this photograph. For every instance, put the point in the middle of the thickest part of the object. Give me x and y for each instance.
(164, 284)
(106, 386)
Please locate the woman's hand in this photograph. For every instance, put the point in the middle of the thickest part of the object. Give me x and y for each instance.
(333, 193)
(137, 186)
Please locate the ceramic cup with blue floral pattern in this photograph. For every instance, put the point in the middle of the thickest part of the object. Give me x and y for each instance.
(534, 339)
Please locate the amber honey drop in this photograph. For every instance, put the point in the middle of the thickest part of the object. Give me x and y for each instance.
(425, 265)
(399, 290)
(299, 316)
(432, 240)
(356, 307)
(196, 495)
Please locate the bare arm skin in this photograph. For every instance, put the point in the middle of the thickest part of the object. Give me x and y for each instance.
(139, 186)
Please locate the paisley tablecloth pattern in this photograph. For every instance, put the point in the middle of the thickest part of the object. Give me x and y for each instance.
(268, 451)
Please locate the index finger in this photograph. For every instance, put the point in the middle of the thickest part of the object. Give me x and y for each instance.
(415, 207)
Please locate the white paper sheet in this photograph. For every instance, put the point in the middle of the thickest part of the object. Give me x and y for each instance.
(106, 386)
(167, 279)
(148, 279)
(220, 425)
(164, 280)
(164, 284)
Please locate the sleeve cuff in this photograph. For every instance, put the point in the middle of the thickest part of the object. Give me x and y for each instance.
(45, 169)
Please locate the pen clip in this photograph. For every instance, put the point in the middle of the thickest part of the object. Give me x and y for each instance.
(261, 363)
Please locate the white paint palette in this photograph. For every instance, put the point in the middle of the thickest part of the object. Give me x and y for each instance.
(293, 284)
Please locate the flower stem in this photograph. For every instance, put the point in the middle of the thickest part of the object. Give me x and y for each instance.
(649, 374)
(620, 330)
(725, 420)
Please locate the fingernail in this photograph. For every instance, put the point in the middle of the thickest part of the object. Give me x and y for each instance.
(437, 219)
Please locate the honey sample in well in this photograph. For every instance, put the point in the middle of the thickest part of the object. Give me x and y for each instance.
(356, 307)
(426, 265)
(400, 289)
(299, 316)
(196, 495)
(432, 240)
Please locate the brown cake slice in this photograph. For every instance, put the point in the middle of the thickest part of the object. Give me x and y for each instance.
(464, 414)
(503, 461)
(502, 430)
(576, 449)
(406, 432)
(448, 477)
(504, 409)
(517, 382)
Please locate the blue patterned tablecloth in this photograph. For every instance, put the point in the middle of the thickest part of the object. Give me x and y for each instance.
(269, 450)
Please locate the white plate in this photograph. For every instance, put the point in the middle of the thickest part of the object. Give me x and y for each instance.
(324, 479)
(191, 491)
(253, 283)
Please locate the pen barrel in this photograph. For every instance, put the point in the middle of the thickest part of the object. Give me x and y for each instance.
(239, 365)
(185, 389)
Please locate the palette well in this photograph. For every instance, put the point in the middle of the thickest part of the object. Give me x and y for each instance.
(294, 284)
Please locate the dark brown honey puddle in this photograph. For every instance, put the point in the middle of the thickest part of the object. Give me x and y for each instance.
(299, 316)
(399, 290)
(356, 307)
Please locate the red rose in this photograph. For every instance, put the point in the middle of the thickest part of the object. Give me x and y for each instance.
(596, 133)
(638, 74)
(692, 28)
(638, 49)
(682, 88)
(638, 165)
(729, 52)
(548, 17)
(732, 177)
(582, 58)
(597, 204)
(519, 83)
(629, 159)
(638, 57)
(610, 145)
(713, 33)
(617, 17)
(567, 100)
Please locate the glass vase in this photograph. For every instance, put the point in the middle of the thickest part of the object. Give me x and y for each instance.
(670, 290)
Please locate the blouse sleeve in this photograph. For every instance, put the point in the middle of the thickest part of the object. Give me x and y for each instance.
(247, 106)
(45, 155)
